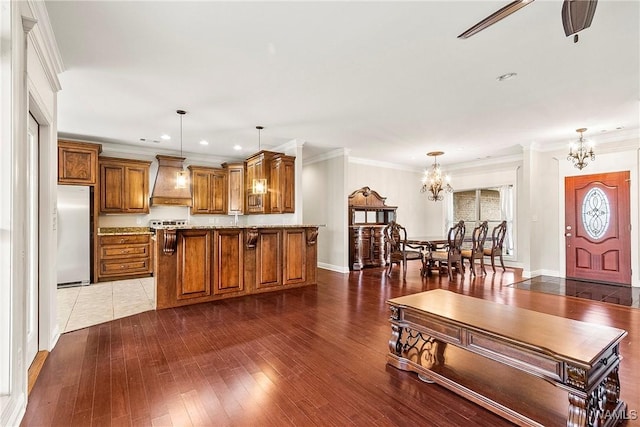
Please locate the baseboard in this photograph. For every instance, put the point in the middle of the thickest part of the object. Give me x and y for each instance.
(331, 267)
(35, 368)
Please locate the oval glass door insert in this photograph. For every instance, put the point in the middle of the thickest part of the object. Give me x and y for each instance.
(595, 213)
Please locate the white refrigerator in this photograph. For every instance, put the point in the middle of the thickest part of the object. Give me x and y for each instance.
(73, 213)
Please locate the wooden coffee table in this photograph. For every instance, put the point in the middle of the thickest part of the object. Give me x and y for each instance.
(509, 360)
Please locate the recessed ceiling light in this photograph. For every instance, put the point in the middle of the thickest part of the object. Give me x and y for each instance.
(506, 77)
(237, 147)
(203, 142)
(165, 137)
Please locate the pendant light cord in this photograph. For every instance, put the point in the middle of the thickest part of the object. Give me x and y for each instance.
(181, 113)
(259, 142)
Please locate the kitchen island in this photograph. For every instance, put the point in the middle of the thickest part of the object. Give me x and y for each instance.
(196, 263)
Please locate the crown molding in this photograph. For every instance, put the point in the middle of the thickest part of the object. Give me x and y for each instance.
(339, 152)
(621, 136)
(386, 165)
(45, 44)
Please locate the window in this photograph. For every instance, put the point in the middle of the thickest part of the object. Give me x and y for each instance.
(494, 204)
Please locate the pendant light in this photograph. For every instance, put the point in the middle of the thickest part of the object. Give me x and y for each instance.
(182, 176)
(259, 186)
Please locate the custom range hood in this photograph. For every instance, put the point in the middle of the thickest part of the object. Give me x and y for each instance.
(166, 192)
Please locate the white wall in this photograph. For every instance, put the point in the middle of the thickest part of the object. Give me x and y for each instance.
(325, 202)
(401, 187)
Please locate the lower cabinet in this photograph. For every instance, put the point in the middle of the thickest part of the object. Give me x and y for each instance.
(194, 264)
(124, 256)
(208, 264)
(228, 255)
(295, 256)
(269, 258)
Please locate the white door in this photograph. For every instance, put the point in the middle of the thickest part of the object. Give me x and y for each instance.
(32, 240)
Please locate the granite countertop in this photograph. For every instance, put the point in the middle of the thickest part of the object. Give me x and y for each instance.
(117, 231)
(217, 227)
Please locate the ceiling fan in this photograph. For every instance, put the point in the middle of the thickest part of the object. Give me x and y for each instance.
(576, 16)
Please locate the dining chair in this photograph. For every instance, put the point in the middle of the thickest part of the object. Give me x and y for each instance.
(497, 239)
(478, 238)
(451, 256)
(398, 250)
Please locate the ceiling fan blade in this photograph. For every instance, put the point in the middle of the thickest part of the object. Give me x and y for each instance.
(495, 17)
(577, 15)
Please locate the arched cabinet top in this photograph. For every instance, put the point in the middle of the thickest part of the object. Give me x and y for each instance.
(367, 197)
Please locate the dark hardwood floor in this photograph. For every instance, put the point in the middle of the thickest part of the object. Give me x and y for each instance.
(308, 356)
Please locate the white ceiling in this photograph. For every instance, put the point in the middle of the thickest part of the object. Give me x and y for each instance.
(388, 80)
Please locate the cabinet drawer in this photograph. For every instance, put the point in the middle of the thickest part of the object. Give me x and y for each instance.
(124, 251)
(124, 239)
(125, 267)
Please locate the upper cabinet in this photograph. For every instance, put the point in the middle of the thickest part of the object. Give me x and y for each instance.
(208, 190)
(278, 170)
(124, 186)
(282, 184)
(235, 187)
(258, 168)
(78, 162)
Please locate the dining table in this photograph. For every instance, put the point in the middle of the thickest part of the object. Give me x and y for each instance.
(426, 244)
(431, 243)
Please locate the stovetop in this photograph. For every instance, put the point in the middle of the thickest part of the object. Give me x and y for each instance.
(155, 223)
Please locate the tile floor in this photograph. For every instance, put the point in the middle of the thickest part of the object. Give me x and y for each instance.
(83, 306)
(615, 294)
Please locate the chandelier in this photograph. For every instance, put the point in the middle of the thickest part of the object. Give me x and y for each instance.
(580, 153)
(433, 181)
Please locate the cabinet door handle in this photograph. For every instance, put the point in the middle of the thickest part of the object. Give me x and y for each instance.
(122, 240)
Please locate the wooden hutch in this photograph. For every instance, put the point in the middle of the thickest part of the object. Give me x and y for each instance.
(368, 216)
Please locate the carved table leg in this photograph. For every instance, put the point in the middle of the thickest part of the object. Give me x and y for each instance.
(601, 407)
(395, 342)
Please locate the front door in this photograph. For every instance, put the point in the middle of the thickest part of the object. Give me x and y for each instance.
(598, 227)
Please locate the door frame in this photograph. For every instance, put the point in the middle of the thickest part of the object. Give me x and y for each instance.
(627, 158)
(32, 243)
(48, 332)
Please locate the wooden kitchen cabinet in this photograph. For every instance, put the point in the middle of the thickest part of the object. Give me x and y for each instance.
(124, 186)
(228, 255)
(269, 258)
(282, 180)
(194, 264)
(208, 190)
(235, 187)
(78, 162)
(124, 256)
(259, 167)
(294, 269)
